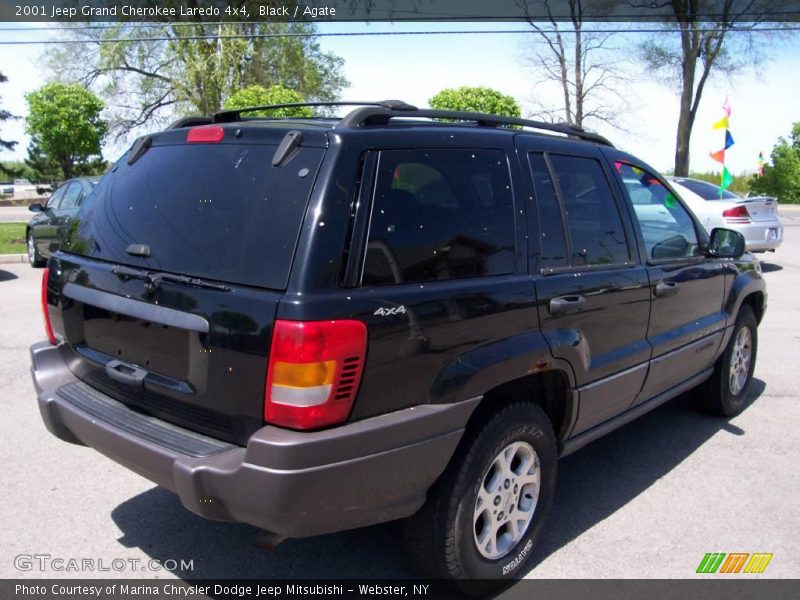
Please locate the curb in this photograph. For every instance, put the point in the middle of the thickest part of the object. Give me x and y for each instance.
(13, 258)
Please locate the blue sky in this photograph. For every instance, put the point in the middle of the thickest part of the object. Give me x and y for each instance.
(413, 68)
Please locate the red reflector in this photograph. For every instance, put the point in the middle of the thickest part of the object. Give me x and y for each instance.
(314, 372)
(205, 134)
(47, 326)
(737, 213)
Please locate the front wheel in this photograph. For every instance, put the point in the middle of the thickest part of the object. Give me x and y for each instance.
(34, 258)
(483, 517)
(726, 391)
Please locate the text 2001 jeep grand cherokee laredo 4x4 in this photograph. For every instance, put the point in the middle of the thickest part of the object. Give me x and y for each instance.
(320, 324)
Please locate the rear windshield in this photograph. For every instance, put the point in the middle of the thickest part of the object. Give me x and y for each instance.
(707, 191)
(215, 211)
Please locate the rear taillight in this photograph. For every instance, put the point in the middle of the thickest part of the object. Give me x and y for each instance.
(47, 326)
(205, 134)
(314, 372)
(737, 214)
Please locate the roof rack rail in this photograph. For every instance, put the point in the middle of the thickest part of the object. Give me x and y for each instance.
(235, 114)
(380, 115)
(192, 121)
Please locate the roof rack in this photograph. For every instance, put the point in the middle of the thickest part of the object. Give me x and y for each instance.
(381, 115)
(233, 115)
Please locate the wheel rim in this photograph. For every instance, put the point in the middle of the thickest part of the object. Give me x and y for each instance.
(506, 500)
(740, 360)
(31, 250)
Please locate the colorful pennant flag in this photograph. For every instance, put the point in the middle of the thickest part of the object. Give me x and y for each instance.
(721, 124)
(727, 179)
(724, 123)
(761, 164)
(728, 139)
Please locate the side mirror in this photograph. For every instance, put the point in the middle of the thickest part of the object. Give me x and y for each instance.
(36, 207)
(725, 243)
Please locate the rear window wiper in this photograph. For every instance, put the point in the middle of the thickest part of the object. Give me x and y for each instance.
(153, 279)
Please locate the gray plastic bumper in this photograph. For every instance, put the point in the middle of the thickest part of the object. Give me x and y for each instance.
(290, 483)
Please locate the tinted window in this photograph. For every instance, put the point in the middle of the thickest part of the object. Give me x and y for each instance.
(440, 214)
(666, 226)
(707, 191)
(72, 196)
(55, 200)
(595, 228)
(551, 228)
(216, 211)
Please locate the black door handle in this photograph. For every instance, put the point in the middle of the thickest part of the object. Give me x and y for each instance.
(667, 288)
(125, 373)
(565, 305)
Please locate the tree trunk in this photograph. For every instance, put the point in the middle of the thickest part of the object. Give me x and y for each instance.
(686, 116)
(578, 75)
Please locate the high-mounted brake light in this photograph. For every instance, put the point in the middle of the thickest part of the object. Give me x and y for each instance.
(205, 134)
(314, 372)
(737, 214)
(47, 326)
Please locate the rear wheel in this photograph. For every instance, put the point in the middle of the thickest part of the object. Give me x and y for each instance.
(34, 258)
(483, 517)
(726, 391)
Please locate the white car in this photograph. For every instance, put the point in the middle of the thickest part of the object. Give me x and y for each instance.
(756, 218)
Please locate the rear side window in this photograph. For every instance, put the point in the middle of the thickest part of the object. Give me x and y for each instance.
(440, 214)
(215, 211)
(597, 236)
(551, 227)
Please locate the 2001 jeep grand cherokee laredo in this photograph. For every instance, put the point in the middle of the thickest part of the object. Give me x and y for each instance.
(319, 324)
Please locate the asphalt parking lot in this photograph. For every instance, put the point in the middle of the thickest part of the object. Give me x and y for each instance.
(647, 501)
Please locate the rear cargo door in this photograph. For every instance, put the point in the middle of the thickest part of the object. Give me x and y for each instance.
(172, 272)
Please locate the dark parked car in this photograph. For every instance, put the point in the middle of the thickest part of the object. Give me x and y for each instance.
(320, 324)
(46, 230)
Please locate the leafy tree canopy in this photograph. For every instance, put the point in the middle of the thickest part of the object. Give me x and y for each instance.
(65, 125)
(257, 95)
(782, 178)
(476, 99)
(149, 74)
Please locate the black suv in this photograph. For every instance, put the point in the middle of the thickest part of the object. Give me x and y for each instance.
(320, 324)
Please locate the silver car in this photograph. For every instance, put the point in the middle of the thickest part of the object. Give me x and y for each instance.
(756, 217)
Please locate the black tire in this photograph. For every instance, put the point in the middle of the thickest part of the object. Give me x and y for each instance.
(34, 258)
(440, 539)
(717, 395)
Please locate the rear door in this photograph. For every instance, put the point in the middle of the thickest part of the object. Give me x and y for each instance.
(687, 319)
(190, 351)
(593, 295)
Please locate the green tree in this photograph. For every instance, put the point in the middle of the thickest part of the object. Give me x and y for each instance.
(161, 70)
(476, 99)
(782, 178)
(42, 166)
(257, 95)
(701, 48)
(6, 144)
(65, 125)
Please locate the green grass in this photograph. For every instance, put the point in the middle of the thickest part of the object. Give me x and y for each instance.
(12, 238)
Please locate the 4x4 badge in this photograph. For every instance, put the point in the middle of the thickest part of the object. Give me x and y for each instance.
(388, 312)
